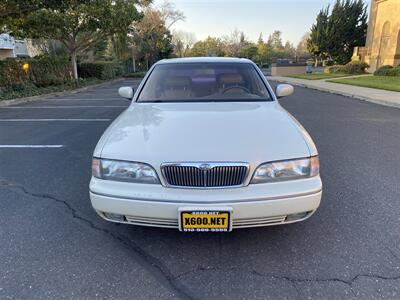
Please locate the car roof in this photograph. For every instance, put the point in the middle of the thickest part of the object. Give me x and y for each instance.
(204, 60)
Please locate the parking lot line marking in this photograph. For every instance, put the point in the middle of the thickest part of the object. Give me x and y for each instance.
(31, 146)
(55, 120)
(64, 106)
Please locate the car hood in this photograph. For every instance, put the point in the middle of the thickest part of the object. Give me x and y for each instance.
(155, 133)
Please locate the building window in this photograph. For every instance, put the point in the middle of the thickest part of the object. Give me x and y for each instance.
(398, 46)
(384, 44)
(386, 29)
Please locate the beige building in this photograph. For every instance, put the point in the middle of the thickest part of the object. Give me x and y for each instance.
(383, 37)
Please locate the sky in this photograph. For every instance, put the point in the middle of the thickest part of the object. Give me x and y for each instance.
(220, 17)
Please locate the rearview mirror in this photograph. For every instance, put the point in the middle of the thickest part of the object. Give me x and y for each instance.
(284, 90)
(126, 92)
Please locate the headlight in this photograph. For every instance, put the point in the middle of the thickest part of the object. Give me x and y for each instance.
(123, 171)
(286, 170)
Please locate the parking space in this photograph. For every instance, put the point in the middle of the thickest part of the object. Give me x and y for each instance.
(54, 244)
(55, 121)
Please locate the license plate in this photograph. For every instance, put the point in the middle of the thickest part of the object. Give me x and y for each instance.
(205, 220)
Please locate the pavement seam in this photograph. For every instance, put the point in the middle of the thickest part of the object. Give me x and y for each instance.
(157, 268)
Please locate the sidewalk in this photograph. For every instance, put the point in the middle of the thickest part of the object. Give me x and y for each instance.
(382, 97)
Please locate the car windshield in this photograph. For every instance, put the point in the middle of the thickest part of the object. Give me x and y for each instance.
(198, 82)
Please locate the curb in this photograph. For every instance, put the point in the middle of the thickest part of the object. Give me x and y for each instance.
(349, 95)
(62, 93)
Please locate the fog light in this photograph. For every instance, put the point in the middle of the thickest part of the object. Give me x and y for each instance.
(114, 217)
(298, 216)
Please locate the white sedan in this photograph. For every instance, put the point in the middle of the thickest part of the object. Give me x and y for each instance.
(205, 146)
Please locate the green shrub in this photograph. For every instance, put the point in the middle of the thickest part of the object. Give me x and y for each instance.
(356, 67)
(100, 69)
(388, 71)
(353, 67)
(335, 69)
(12, 74)
(395, 71)
(382, 71)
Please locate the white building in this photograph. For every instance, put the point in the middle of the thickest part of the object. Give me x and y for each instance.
(11, 47)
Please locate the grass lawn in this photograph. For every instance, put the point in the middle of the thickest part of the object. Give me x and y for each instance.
(317, 76)
(390, 83)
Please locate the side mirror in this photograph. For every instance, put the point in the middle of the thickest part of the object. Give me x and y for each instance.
(284, 90)
(126, 92)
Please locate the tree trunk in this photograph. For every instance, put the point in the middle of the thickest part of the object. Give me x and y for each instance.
(133, 60)
(316, 62)
(114, 47)
(74, 65)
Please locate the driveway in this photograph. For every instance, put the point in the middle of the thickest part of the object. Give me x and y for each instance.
(53, 245)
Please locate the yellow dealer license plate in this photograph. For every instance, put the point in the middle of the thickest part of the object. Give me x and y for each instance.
(204, 220)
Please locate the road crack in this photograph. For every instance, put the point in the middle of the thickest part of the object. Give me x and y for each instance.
(152, 264)
(292, 280)
(348, 282)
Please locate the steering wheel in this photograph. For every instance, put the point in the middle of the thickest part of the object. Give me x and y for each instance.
(235, 87)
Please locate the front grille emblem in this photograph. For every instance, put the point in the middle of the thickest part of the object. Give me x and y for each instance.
(205, 167)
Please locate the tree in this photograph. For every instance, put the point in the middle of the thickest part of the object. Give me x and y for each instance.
(152, 40)
(209, 47)
(183, 41)
(347, 28)
(260, 38)
(77, 24)
(335, 35)
(275, 40)
(169, 14)
(249, 51)
(234, 42)
(317, 44)
(12, 11)
(301, 49)
(262, 52)
(288, 50)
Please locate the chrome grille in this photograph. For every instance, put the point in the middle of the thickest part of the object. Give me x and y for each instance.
(146, 221)
(204, 174)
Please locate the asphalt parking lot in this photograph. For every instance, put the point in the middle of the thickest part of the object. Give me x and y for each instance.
(53, 245)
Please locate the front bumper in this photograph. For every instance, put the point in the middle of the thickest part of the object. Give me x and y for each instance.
(252, 206)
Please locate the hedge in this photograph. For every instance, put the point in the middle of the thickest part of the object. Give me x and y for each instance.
(100, 70)
(388, 71)
(41, 72)
(12, 74)
(353, 67)
(49, 71)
